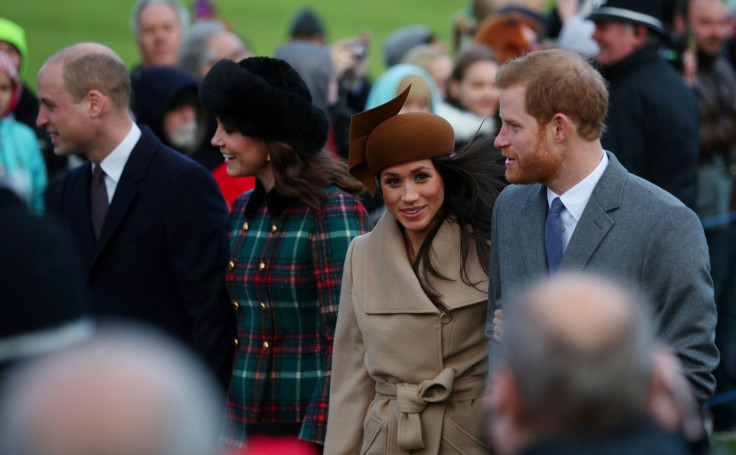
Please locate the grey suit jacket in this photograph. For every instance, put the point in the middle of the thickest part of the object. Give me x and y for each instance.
(631, 231)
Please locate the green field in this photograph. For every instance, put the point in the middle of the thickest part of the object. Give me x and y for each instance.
(52, 24)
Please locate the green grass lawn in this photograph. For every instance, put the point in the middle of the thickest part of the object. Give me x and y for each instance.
(52, 24)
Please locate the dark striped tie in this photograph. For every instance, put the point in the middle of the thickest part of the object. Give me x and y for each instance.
(98, 200)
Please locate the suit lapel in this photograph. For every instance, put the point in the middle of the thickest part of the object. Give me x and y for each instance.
(596, 220)
(127, 189)
(530, 227)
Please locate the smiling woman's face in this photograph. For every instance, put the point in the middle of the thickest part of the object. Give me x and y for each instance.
(244, 155)
(414, 193)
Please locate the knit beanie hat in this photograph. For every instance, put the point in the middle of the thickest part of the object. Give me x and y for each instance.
(264, 97)
(7, 66)
(401, 41)
(306, 23)
(14, 34)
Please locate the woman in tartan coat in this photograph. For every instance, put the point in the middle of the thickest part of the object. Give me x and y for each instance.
(288, 239)
(410, 354)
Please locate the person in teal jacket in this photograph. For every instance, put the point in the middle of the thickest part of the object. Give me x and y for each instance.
(20, 156)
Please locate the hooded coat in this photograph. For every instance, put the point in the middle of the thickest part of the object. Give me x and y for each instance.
(153, 94)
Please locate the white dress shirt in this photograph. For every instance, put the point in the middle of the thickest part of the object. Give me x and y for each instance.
(114, 163)
(575, 199)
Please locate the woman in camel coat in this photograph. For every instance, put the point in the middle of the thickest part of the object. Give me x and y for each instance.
(410, 356)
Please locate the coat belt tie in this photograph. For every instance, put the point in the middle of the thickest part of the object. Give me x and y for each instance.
(413, 398)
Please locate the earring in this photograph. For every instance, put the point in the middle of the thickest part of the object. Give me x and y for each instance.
(268, 157)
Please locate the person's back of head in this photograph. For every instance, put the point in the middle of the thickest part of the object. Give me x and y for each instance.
(307, 26)
(578, 355)
(511, 33)
(127, 391)
(559, 81)
(579, 349)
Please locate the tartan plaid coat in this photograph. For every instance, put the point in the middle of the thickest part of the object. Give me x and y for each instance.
(284, 278)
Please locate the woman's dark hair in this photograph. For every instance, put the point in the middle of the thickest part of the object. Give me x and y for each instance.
(474, 53)
(473, 178)
(305, 176)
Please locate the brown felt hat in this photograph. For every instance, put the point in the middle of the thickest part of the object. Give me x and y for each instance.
(380, 138)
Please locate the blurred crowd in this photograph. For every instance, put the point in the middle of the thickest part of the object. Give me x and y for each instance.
(179, 236)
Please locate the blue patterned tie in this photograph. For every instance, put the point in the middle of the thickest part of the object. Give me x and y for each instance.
(553, 235)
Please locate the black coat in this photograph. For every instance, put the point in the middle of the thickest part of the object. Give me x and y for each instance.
(652, 122)
(638, 437)
(163, 249)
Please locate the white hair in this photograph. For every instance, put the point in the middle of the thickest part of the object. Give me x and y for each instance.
(181, 11)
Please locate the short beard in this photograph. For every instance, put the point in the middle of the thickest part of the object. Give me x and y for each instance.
(540, 167)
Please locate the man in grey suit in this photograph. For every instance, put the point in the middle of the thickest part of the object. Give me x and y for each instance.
(602, 218)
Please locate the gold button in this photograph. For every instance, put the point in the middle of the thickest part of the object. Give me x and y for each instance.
(230, 266)
(263, 307)
(236, 305)
(261, 266)
(274, 228)
(246, 226)
(236, 342)
(266, 345)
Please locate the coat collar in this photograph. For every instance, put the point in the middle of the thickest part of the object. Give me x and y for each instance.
(135, 170)
(393, 284)
(596, 221)
(638, 58)
(275, 201)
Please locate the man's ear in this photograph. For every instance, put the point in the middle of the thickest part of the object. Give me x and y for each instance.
(96, 102)
(562, 127)
(640, 33)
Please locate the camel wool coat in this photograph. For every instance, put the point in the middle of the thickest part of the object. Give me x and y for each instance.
(405, 377)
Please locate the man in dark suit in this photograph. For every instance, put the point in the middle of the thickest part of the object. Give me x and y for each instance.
(652, 123)
(149, 222)
(573, 206)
